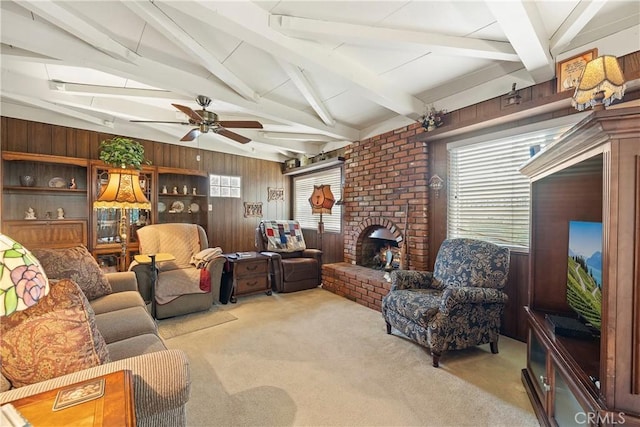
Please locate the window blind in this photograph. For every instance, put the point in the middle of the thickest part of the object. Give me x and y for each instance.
(488, 197)
(303, 187)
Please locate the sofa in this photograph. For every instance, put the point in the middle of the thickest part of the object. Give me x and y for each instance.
(129, 340)
(293, 267)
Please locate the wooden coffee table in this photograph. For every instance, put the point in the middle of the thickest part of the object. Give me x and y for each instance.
(114, 408)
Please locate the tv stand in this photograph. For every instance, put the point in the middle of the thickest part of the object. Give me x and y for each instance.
(592, 173)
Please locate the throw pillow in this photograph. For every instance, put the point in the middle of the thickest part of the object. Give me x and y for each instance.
(56, 337)
(76, 264)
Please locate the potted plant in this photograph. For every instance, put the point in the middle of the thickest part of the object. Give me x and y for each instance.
(121, 152)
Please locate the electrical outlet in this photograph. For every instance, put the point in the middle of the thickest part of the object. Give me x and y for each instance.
(197, 157)
(210, 207)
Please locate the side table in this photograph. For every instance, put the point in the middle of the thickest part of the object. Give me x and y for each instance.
(114, 408)
(248, 273)
(153, 259)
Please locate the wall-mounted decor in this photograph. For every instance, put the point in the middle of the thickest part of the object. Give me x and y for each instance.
(568, 71)
(252, 209)
(224, 186)
(276, 194)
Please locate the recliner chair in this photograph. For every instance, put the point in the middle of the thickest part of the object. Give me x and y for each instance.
(293, 267)
(179, 285)
(456, 306)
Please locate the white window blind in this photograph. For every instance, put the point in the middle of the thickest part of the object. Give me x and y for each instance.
(303, 187)
(488, 197)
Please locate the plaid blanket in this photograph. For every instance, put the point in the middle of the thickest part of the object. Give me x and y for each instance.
(283, 236)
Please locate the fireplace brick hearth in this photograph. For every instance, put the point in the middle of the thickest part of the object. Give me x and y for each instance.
(385, 185)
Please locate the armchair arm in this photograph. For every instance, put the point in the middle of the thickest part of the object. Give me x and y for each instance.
(161, 381)
(122, 281)
(312, 253)
(412, 279)
(453, 296)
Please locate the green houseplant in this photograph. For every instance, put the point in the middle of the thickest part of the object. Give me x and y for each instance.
(122, 152)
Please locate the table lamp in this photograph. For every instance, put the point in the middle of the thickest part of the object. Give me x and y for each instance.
(321, 201)
(22, 281)
(601, 83)
(122, 191)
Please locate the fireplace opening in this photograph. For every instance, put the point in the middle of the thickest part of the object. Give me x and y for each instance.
(379, 249)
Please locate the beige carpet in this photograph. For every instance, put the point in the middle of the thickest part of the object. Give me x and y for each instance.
(313, 358)
(180, 325)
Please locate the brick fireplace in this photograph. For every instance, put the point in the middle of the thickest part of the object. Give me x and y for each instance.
(385, 186)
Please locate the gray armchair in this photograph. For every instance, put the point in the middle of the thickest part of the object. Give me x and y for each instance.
(456, 306)
(180, 287)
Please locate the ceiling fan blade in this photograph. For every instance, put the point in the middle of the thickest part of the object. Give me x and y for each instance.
(189, 112)
(158, 121)
(232, 135)
(191, 135)
(240, 124)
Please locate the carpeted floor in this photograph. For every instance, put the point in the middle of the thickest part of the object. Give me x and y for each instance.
(174, 326)
(312, 358)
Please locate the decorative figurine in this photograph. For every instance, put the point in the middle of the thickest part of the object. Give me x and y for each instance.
(185, 191)
(164, 189)
(30, 214)
(175, 190)
(195, 191)
(60, 213)
(72, 184)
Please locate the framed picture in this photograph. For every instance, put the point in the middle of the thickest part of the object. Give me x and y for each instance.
(568, 71)
(275, 194)
(252, 209)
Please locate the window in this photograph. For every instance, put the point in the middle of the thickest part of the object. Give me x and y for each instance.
(488, 196)
(302, 189)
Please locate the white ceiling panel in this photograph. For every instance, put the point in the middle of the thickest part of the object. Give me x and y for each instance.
(362, 65)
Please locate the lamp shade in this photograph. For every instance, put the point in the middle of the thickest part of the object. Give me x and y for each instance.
(122, 191)
(601, 82)
(22, 281)
(322, 199)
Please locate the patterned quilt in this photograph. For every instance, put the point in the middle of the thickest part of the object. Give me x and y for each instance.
(283, 236)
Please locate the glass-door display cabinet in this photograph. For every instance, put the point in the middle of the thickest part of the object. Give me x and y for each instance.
(108, 231)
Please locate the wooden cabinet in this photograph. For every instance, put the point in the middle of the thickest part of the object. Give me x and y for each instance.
(592, 173)
(61, 213)
(248, 274)
(182, 196)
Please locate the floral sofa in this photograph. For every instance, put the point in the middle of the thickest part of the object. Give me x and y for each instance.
(90, 324)
(456, 306)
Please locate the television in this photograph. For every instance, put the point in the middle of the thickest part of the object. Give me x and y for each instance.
(584, 273)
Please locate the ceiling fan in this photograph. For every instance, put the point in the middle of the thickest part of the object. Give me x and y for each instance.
(206, 121)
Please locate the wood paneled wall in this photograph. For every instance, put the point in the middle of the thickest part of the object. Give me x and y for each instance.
(228, 228)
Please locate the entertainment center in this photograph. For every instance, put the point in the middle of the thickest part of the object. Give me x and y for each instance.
(592, 173)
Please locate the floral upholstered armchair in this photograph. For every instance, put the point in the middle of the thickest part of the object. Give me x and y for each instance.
(456, 306)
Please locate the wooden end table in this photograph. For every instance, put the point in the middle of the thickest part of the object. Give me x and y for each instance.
(249, 273)
(114, 408)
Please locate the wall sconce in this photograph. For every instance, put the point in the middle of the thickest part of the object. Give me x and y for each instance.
(513, 97)
(436, 184)
(601, 83)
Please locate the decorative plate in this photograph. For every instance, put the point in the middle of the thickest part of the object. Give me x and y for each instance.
(161, 207)
(177, 206)
(58, 182)
(194, 207)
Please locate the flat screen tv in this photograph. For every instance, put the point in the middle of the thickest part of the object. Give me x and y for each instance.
(584, 274)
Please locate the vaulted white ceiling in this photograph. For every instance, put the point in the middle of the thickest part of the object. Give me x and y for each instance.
(316, 74)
